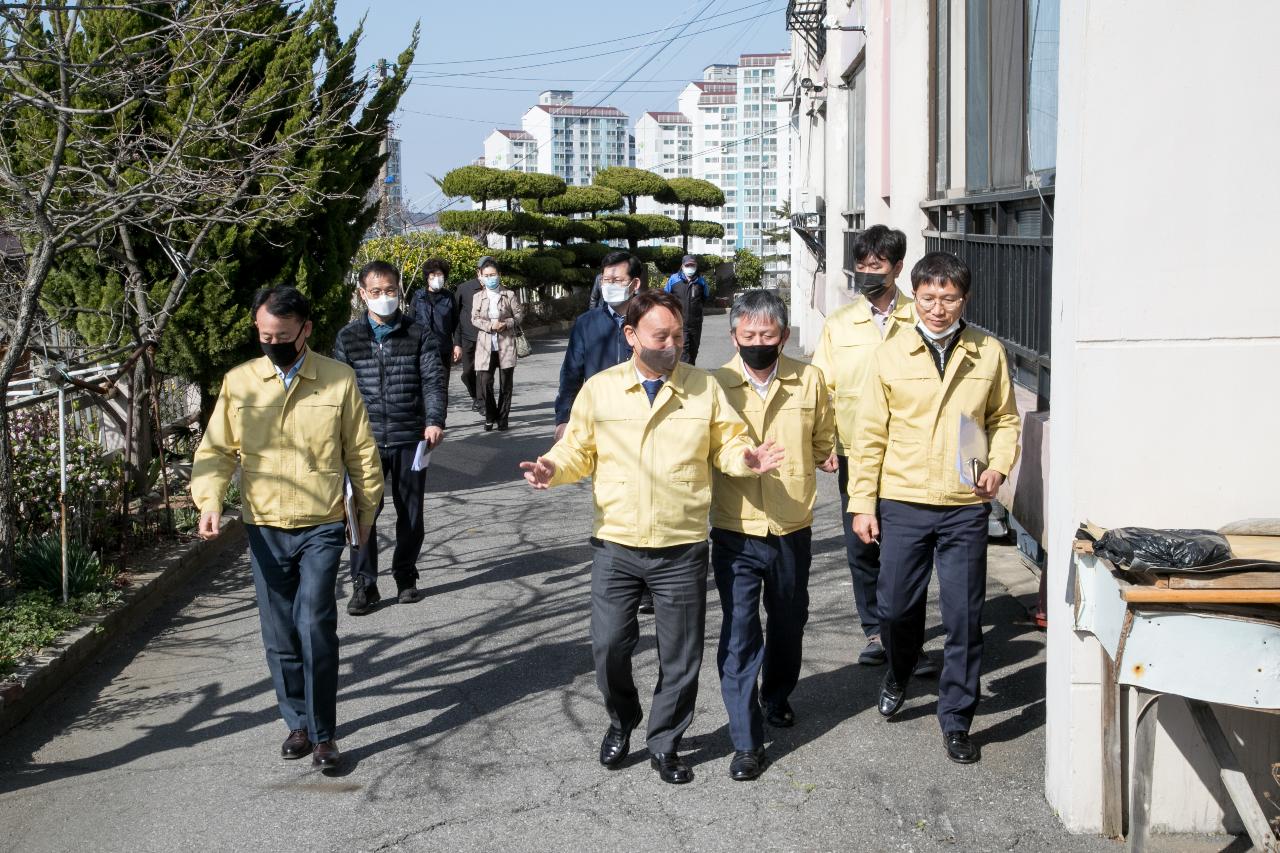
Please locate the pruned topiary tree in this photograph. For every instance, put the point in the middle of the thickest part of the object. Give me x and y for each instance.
(631, 183)
(690, 193)
(479, 183)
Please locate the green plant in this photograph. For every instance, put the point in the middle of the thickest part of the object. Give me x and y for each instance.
(747, 269)
(39, 565)
(186, 519)
(34, 619)
(232, 500)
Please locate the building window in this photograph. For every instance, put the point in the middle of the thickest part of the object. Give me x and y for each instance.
(857, 83)
(940, 84)
(1042, 88)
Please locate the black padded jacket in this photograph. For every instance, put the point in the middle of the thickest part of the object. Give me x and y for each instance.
(399, 378)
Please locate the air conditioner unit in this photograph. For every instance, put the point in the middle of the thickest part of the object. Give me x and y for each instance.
(809, 201)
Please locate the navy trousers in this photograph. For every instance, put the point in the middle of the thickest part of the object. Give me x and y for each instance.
(677, 577)
(750, 570)
(407, 487)
(294, 573)
(912, 538)
(864, 560)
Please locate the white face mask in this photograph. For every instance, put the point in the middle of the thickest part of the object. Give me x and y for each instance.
(384, 306)
(615, 294)
(937, 336)
(435, 282)
(690, 272)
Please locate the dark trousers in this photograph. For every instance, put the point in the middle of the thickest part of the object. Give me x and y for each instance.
(407, 487)
(294, 573)
(692, 337)
(677, 576)
(468, 365)
(496, 409)
(749, 570)
(912, 538)
(864, 560)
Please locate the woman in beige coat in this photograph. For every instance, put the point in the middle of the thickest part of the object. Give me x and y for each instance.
(496, 314)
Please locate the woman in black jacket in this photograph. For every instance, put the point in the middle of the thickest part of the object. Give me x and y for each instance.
(435, 309)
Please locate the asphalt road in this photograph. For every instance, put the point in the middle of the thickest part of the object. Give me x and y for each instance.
(471, 720)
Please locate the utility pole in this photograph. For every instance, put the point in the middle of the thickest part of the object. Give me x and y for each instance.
(384, 188)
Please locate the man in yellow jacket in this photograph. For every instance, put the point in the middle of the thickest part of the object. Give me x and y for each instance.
(294, 422)
(936, 436)
(850, 337)
(761, 527)
(648, 432)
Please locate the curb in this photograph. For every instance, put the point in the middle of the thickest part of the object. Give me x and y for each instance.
(39, 678)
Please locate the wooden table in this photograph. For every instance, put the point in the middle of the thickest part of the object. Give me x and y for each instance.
(1177, 639)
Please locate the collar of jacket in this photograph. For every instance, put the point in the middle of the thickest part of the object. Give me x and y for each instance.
(266, 370)
(968, 341)
(676, 380)
(403, 321)
(904, 311)
(788, 370)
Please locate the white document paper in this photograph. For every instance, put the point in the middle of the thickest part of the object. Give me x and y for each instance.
(971, 451)
(349, 504)
(422, 456)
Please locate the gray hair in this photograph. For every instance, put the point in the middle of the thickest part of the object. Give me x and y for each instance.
(759, 303)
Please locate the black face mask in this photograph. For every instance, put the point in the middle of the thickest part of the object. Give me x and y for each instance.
(760, 357)
(870, 284)
(282, 355)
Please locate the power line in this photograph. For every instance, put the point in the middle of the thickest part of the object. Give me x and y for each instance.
(511, 56)
(605, 53)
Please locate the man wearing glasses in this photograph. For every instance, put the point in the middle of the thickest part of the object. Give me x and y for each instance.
(294, 422)
(925, 390)
(398, 370)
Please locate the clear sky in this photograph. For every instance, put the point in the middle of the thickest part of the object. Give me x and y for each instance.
(467, 78)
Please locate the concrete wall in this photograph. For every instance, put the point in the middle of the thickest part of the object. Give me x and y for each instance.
(1165, 331)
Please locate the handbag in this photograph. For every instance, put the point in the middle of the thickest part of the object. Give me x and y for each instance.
(523, 347)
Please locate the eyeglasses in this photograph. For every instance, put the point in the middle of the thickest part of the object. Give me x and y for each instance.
(948, 302)
(615, 281)
(375, 293)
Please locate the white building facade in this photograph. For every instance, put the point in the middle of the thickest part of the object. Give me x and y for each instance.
(575, 142)
(995, 131)
(511, 149)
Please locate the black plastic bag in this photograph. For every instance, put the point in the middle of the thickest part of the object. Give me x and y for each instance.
(1146, 549)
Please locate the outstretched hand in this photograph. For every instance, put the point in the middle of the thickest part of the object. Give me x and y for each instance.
(765, 458)
(538, 474)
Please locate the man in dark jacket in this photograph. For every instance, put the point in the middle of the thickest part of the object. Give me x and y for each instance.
(436, 310)
(397, 366)
(465, 336)
(691, 289)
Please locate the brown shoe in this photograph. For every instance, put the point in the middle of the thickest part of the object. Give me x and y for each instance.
(326, 756)
(296, 745)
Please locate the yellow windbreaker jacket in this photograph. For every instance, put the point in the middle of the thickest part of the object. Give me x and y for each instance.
(292, 445)
(848, 339)
(651, 466)
(908, 420)
(797, 414)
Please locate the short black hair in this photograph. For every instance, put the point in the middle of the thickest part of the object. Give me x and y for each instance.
(646, 300)
(381, 269)
(939, 268)
(635, 266)
(439, 265)
(282, 301)
(881, 242)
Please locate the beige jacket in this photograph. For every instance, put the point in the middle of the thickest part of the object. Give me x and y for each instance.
(510, 315)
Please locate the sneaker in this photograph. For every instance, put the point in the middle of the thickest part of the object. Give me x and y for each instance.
(363, 600)
(646, 602)
(408, 595)
(873, 654)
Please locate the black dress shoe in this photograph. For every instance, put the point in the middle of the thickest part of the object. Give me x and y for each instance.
(926, 665)
(960, 749)
(646, 602)
(873, 653)
(296, 745)
(671, 768)
(616, 745)
(488, 426)
(326, 755)
(891, 696)
(502, 426)
(779, 716)
(747, 764)
(363, 600)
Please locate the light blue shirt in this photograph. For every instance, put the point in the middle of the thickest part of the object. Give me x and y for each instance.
(293, 371)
